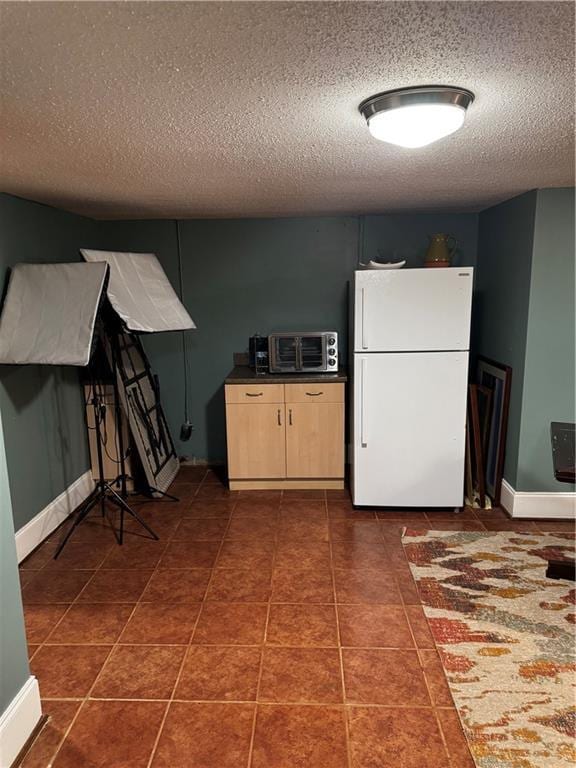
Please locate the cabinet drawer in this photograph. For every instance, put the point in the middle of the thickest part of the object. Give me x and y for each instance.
(315, 393)
(255, 393)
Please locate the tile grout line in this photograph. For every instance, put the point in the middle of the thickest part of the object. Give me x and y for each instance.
(291, 646)
(345, 706)
(185, 655)
(287, 703)
(420, 662)
(263, 643)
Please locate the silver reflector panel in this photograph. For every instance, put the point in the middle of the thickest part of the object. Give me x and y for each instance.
(141, 293)
(49, 313)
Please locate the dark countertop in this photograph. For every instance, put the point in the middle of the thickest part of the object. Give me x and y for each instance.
(241, 374)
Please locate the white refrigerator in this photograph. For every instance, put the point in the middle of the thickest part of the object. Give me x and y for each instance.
(410, 370)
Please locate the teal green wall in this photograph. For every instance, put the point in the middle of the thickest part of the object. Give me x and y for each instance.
(500, 313)
(396, 236)
(41, 405)
(14, 670)
(549, 375)
(246, 276)
(255, 276)
(524, 316)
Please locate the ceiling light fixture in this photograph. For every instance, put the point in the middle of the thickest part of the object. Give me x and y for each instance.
(415, 117)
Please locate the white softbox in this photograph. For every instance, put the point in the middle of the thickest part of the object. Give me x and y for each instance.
(49, 313)
(140, 292)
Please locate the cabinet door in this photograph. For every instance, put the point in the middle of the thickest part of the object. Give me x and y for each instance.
(315, 440)
(256, 441)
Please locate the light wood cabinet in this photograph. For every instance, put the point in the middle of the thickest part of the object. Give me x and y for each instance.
(285, 435)
(314, 439)
(256, 440)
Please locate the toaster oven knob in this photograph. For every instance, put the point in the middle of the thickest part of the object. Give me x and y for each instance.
(331, 362)
(331, 341)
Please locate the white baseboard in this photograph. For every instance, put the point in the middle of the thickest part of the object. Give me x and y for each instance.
(42, 525)
(18, 721)
(543, 505)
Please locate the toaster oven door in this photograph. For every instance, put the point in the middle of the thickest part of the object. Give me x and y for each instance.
(284, 353)
(313, 353)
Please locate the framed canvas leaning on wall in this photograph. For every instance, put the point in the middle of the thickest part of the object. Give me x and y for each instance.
(496, 377)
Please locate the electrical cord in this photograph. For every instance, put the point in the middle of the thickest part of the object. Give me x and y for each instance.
(183, 333)
(97, 393)
(186, 428)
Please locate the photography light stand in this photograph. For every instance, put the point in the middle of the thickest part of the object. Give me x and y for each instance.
(117, 296)
(103, 491)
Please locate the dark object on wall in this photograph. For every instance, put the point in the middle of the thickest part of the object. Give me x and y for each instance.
(563, 451)
(186, 431)
(497, 378)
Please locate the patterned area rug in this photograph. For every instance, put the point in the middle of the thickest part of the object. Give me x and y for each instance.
(506, 637)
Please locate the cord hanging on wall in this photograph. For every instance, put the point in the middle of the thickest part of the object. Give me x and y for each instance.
(187, 426)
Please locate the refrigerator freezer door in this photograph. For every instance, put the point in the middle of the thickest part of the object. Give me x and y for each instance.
(409, 429)
(406, 310)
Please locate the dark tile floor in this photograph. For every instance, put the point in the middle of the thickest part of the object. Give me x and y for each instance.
(264, 629)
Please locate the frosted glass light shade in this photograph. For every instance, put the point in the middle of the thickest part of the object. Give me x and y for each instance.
(416, 125)
(415, 117)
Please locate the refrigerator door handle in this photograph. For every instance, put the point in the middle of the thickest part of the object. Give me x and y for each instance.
(363, 307)
(363, 442)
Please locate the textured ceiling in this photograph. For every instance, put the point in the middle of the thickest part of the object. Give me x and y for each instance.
(133, 110)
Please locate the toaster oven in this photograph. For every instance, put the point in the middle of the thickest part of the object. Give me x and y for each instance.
(303, 352)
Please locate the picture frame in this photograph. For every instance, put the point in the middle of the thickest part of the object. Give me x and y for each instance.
(476, 447)
(496, 377)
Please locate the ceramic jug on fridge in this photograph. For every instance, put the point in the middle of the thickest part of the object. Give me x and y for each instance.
(440, 250)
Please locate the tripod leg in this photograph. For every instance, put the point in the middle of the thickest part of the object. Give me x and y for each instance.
(119, 501)
(99, 415)
(80, 515)
(163, 493)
